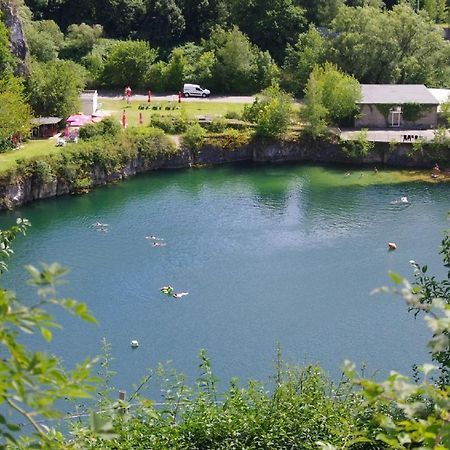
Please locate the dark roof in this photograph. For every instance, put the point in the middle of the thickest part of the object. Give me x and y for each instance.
(46, 121)
(396, 94)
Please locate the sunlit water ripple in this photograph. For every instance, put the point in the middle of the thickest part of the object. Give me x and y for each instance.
(269, 254)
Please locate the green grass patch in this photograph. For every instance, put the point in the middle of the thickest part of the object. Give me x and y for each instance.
(30, 149)
(190, 110)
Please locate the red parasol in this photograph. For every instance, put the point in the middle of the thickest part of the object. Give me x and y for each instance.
(124, 119)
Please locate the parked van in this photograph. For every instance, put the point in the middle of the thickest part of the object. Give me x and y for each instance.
(194, 90)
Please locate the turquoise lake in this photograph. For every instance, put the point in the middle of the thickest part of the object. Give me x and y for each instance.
(270, 254)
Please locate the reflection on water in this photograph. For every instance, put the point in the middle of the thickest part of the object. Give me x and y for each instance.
(268, 254)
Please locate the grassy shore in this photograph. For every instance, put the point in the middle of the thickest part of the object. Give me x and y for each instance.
(190, 110)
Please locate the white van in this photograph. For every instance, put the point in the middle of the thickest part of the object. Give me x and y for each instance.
(194, 90)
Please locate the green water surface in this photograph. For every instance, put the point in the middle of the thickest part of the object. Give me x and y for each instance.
(269, 254)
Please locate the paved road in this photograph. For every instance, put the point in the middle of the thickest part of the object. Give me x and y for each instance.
(158, 98)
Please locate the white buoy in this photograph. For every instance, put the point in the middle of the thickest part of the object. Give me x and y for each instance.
(134, 343)
(392, 246)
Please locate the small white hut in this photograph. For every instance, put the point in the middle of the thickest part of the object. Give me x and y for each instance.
(89, 102)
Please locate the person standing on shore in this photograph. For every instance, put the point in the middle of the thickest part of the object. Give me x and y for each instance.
(128, 94)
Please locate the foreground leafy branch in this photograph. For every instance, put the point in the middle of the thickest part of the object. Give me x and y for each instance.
(32, 382)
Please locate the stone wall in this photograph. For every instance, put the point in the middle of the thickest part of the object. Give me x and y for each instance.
(371, 117)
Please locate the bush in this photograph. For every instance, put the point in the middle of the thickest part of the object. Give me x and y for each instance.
(230, 139)
(170, 124)
(108, 127)
(194, 136)
(271, 111)
(217, 125)
(357, 148)
(303, 407)
(150, 143)
(233, 115)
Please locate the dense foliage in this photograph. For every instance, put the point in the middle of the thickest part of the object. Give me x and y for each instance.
(241, 46)
(271, 112)
(15, 113)
(54, 88)
(102, 151)
(330, 98)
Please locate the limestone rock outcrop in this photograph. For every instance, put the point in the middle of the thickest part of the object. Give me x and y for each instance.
(19, 45)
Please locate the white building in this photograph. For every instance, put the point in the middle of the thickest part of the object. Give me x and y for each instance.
(89, 102)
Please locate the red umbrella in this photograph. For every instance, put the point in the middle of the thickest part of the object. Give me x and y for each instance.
(141, 120)
(149, 94)
(124, 119)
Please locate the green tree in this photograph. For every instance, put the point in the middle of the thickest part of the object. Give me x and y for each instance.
(174, 71)
(436, 10)
(44, 39)
(271, 111)
(271, 26)
(445, 112)
(198, 63)
(321, 12)
(80, 40)
(309, 51)
(363, 45)
(128, 63)
(203, 15)
(163, 23)
(314, 112)
(235, 69)
(15, 113)
(94, 62)
(54, 87)
(330, 97)
(397, 46)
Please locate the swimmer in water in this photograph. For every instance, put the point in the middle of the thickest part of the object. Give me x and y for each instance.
(168, 290)
(158, 244)
(179, 295)
(99, 225)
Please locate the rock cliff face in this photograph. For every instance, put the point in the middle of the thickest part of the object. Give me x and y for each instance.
(19, 45)
(28, 189)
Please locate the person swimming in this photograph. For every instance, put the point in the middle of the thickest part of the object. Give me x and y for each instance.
(99, 225)
(153, 238)
(168, 290)
(179, 295)
(403, 200)
(158, 244)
